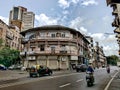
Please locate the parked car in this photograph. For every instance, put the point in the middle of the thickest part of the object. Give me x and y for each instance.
(2, 67)
(81, 67)
(15, 67)
(43, 70)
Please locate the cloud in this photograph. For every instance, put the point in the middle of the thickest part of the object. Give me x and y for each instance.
(42, 19)
(4, 19)
(109, 43)
(89, 2)
(77, 24)
(111, 49)
(66, 3)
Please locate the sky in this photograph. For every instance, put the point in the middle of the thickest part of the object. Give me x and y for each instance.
(90, 17)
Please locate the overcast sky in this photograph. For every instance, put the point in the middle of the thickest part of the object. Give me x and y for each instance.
(90, 17)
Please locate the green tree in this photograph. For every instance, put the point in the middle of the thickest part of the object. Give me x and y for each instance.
(112, 59)
(9, 56)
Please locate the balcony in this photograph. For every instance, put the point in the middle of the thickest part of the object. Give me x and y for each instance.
(112, 1)
(117, 30)
(115, 12)
(24, 40)
(63, 52)
(9, 36)
(27, 53)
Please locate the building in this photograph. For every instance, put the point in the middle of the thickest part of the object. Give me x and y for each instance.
(3, 30)
(20, 17)
(55, 46)
(15, 33)
(115, 4)
(91, 50)
(10, 36)
(100, 59)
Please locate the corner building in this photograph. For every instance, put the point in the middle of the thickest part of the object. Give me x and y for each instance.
(55, 46)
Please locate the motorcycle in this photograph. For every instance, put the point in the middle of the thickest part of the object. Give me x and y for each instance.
(108, 70)
(89, 79)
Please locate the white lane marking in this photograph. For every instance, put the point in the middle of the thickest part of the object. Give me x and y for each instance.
(79, 80)
(106, 88)
(64, 85)
(34, 80)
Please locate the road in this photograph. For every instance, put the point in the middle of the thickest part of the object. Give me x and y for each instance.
(64, 81)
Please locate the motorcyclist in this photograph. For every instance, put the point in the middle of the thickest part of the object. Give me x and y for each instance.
(108, 68)
(91, 70)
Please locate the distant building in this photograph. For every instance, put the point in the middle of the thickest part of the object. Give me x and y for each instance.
(100, 59)
(55, 46)
(91, 49)
(20, 17)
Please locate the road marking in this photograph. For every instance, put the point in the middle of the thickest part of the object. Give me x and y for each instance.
(79, 80)
(64, 85)
(34, 80)
(106, 88)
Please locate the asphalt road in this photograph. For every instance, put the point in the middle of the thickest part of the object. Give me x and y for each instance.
(64, 81)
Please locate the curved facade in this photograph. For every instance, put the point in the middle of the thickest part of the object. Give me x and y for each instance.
(54, 46)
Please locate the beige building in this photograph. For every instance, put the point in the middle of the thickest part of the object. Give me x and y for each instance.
(3, 30)
(100, 59)
(10, 35)
(20, 17)
(15, 33)
(54, 46)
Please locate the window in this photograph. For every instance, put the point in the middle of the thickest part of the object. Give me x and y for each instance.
(53, 49)
(52, 35)
(63, 35)
(42, 47)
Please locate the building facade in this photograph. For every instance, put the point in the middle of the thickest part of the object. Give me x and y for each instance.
(10, 36)
(115, 4)
(55, 46)
(100, 59)
(3, 30)
(20, 17)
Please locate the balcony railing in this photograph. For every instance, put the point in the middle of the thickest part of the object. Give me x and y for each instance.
(61, 52)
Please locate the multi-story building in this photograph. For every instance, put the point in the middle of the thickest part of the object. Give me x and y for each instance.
(115, 4)
(100, 59)
(20, 17)
(54, 46)
(15, 33)
(10, 35)
(3, 30)
(91, 50)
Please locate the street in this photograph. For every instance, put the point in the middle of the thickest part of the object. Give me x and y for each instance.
(60, 81)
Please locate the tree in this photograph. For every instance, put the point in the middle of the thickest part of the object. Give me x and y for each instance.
(9, 56)
(113, 59)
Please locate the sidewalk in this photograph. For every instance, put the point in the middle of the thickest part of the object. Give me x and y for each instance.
(115, 84)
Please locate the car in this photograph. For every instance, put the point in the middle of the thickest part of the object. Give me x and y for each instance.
(2, 67)
(43, 70)
(81, 67)
(15, 67)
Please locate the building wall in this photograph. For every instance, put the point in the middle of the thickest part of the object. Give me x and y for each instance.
(63, 45)
(3, 30)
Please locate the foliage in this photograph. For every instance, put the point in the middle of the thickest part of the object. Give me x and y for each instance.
(9, 56)
(112, 59)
